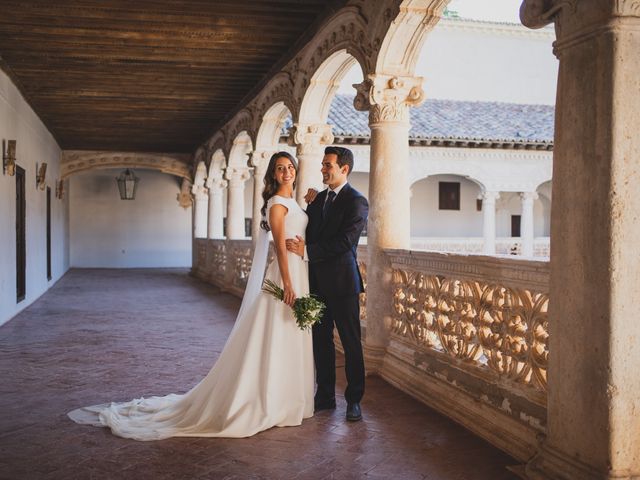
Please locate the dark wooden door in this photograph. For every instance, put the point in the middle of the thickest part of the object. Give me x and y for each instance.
(21, 244)
(515, 225)
(48, 233)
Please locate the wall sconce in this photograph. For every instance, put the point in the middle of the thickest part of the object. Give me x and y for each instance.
(41, 175)
(127, 183)
(60, 189)
(9, 157)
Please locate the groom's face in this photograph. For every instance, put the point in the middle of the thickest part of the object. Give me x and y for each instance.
(333, 174)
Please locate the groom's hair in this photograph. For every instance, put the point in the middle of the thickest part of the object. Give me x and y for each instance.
(345, 156)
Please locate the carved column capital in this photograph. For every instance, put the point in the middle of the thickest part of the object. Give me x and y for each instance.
(260, 161)
(237, 176)
(528, 196)
(200, 192)
(310, 138)
(388, 97)
(490, 197)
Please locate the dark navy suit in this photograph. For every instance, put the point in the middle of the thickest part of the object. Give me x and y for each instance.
(334, 277)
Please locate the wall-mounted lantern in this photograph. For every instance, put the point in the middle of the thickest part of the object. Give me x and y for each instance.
(127, 184)
(41, 175)
(9, 157)
(60, 189)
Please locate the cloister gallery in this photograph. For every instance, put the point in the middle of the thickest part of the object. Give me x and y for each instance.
(507, 313)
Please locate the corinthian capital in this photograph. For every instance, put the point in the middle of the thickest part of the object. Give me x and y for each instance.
(237, 175)
(260, 161)
(310, 137)
(388, 97)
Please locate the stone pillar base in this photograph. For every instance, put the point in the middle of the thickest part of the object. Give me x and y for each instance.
(551, 464)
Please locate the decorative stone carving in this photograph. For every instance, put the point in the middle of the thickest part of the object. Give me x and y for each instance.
(488, 325)
(185, 198)
(628, 7)
(387, 97)
(237, 176)
(310, 138)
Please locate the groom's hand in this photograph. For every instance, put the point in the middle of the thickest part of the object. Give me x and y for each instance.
(295, 245)
(311, 195)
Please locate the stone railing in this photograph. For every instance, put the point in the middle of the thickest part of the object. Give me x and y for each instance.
(224, 263)
(468, 334)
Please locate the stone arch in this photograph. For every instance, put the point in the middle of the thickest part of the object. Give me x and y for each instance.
(348, 32)
(217, 163)
(280, 89)
(74, 161)
(241, 147)
(317, 99)
(447, 170)
(272, 121)
(406, 34)
(241, 125)
(217, 143)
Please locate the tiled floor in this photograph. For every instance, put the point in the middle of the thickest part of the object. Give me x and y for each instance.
(102, 335)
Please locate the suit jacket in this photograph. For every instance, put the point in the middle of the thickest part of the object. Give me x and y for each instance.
(332, 243)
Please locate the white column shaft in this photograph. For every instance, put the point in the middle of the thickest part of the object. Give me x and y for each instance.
(489, 222)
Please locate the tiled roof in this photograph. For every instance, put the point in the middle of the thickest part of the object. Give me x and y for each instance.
(456, 120)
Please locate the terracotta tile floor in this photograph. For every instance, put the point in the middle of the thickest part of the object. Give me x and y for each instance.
(102, 335)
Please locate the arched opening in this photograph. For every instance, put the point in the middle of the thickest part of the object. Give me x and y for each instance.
(217, 186)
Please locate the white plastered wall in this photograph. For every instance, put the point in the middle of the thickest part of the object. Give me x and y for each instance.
(35, 145)
(107, 232)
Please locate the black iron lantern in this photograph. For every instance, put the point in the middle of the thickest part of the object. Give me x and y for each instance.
(127, 183)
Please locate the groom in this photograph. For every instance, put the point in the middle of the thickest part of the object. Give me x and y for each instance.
(337, 217)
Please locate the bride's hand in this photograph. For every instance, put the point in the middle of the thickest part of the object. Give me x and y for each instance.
(289, 295)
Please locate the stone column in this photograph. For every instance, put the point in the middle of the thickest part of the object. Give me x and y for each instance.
(235, 201)
(259, 161)
(594, 386)
(216, 185)
(526, 223)
(387, 98)
(200, 211)
(310, 142)
(489, 222)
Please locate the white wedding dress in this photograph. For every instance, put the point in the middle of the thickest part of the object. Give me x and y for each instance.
(263, 378)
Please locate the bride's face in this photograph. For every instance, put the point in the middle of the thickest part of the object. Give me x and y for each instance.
(285, 172)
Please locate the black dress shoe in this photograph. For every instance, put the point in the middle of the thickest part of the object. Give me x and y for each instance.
(326, 405)
(354, 412)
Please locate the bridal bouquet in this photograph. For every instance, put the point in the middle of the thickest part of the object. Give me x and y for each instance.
(307, 310)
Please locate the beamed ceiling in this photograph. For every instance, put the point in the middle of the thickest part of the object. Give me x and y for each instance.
(144, 75)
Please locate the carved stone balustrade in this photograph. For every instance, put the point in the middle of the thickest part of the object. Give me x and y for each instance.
(469, 336)
(469, 333)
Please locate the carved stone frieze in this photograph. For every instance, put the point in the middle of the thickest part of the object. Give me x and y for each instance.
(310, 138)
(388, 97)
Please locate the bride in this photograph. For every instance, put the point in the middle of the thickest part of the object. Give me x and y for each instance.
(264, 375)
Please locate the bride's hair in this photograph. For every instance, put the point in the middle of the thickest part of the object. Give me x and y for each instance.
(270, 184)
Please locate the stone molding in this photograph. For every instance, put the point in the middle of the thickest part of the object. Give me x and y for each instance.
(527, 274)
(74, 161)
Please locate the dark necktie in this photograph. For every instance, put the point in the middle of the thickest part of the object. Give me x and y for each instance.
(327, 205)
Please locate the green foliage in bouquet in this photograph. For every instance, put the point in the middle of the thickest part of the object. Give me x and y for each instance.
(307, 310)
